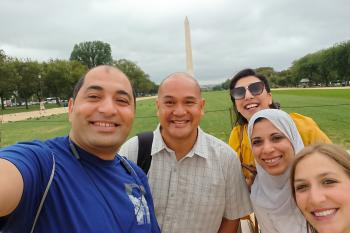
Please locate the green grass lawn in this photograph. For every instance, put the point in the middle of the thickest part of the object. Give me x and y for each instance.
(39, 128)
(329, 108)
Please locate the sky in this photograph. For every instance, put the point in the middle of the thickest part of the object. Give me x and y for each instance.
(226, 35)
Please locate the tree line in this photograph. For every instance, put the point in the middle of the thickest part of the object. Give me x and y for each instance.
(327, 67)
(25, 79)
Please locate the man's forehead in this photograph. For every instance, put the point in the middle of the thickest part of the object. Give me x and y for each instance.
(179, 82)
(169, 96)
(179, 78)
(110, 78)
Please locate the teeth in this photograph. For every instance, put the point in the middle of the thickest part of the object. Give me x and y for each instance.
(249, 106)
(324, 213)
(104, 124)
(271, 160)
(180, 122)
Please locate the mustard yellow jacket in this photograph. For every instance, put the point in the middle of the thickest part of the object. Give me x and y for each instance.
(307, 127)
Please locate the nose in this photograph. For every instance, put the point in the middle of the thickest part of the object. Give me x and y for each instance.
(107, 107)
(267, 147)
(179, 110)
(248, 95)
(316, 195)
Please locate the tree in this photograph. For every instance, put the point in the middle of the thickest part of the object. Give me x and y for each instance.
(92, 53)
(306, 67)
(60, 76)
(56, 78)
(269, 73)
(76, 71)
(284, 78)
(226, 84)
(342, 61)
(139, 79)
(223, 86)
(28, 79)
(7, 78)
(325, 67)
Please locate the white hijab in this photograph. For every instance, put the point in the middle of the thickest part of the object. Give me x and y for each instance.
(273, 193)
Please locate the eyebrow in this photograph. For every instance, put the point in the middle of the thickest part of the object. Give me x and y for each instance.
(99, 88)
(122, 92)
(318, 176)
(172, 97)
(94, 87)
(298, 180)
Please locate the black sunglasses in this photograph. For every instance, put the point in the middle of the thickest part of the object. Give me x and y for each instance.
(255, 89)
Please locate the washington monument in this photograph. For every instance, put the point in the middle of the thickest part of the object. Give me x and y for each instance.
(189, 61)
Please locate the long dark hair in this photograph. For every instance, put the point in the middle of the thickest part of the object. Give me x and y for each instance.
(242, 74)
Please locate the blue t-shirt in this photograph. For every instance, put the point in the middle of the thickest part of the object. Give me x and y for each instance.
(86, 195)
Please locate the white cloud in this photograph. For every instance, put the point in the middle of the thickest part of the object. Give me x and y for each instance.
(226, 35)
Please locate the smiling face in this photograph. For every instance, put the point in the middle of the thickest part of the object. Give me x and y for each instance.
(102, 112)
(251, 104)
(180, 108)
(322, 191)
(271, 148)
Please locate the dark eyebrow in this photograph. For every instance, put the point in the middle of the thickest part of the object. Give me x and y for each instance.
(167, 97)
(118, 92)
(172, 97)
(122, 92)
(94, 87)
(190, 98)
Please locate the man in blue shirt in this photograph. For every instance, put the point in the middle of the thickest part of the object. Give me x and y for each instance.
(79, 183)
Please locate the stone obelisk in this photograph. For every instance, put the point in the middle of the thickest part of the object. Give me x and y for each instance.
(189, 62)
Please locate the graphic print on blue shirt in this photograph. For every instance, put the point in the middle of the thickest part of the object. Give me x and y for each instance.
(135, 193)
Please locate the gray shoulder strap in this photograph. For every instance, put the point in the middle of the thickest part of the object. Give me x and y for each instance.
(45, 193)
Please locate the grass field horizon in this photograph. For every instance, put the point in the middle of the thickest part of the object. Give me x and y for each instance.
(330, 108)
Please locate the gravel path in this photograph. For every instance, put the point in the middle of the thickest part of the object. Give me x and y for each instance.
(20, 116)
(36, 114)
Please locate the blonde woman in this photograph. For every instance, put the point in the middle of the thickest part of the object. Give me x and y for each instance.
(320, 179)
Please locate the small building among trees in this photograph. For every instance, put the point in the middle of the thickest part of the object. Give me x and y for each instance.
(304, 82)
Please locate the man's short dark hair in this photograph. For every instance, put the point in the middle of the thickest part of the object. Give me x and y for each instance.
(77, 86)
(80, 83)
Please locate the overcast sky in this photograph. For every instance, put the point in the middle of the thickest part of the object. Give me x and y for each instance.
(227, 35)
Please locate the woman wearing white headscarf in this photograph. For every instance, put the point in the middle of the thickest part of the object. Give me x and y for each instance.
(275, 140)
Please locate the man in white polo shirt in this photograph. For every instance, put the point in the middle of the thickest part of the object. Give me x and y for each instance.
(195, 178)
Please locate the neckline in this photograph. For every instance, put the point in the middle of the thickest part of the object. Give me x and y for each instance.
(88, 157)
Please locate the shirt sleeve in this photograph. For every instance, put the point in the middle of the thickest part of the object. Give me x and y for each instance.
(237, 195)
(130, 149)
(34, 162)
(309, 131)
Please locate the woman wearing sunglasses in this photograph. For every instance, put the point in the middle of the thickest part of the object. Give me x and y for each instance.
(250, 92)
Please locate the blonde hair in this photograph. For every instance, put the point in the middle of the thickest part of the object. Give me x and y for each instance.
(332, 151)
